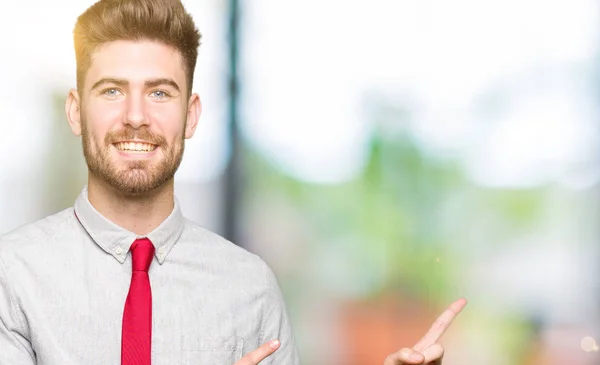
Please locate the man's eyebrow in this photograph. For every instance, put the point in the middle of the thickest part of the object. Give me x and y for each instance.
(110, 80)
(149, 83)
(161, 81)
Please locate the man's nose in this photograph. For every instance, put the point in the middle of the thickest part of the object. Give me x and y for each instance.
(136, 111)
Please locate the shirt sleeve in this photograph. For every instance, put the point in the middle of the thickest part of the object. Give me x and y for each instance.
(15, 347)
(277, 326)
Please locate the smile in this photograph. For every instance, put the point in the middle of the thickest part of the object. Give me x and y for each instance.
(140, 147)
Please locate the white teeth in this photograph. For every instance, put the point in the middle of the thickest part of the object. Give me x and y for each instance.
(135, 146)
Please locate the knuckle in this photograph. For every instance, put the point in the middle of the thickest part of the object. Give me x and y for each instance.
(441, 351)
(434, 353)
(440, 324)
(406, 351)
(392, 359)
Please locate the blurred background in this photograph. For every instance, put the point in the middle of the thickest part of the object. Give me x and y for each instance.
(385, 157)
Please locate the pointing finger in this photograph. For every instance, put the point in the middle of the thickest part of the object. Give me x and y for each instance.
(258, 355)
(440, 325)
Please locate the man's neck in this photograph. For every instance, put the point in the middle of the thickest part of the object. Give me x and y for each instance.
(140, 214)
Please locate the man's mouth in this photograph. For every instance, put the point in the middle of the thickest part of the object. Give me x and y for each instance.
(139, 147)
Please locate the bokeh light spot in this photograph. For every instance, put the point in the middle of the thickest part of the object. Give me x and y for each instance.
(588, 344)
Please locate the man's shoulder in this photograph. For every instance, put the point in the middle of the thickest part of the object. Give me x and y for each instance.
(213, 244)
(35, 233)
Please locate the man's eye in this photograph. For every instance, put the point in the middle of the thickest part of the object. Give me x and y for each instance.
(111, 92)
(159, 94)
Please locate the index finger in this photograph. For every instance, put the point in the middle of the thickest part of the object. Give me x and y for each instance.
(440, 325)
(258, 355)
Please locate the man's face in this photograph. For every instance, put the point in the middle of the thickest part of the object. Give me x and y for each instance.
(134, 115)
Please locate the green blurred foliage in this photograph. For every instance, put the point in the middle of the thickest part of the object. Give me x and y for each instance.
(400, 221)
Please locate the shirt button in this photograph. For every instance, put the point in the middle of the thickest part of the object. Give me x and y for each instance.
(119, 251)
(161, 250)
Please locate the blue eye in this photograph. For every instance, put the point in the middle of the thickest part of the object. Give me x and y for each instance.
(159, 94)
(111, 92)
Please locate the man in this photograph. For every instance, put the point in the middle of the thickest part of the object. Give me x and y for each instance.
(123, 276)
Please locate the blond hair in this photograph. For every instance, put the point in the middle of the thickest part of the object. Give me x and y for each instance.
(165, 21)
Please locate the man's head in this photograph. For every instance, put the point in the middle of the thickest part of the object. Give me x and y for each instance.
(133, 105)
(163, 21)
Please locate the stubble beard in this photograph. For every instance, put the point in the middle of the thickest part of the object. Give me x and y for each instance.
(138, 177)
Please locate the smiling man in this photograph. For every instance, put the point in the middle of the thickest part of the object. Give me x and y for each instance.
(123, 277)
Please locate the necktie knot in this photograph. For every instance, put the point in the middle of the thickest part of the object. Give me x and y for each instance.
(142, 252)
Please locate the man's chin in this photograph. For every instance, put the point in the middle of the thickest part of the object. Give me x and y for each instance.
(139, 182)
(130, 188)
(133, 165)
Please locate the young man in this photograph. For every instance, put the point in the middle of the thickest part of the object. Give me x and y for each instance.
(123, 277)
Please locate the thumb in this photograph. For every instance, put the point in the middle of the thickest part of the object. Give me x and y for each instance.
(404, 356)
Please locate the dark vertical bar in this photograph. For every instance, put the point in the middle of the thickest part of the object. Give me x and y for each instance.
(233, 175)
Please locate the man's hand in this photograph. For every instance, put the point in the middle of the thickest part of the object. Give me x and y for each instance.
(427, 350)
(258, 355)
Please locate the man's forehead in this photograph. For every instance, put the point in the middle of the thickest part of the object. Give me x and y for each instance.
(136, 61)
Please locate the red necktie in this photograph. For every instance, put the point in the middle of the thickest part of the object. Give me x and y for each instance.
(137, 315)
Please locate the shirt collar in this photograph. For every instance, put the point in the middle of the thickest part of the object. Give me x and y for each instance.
(116, 240)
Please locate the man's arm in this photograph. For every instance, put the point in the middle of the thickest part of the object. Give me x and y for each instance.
(277, 326)
(15, 348)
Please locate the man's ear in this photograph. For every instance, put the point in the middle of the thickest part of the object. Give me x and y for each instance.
(193, 115)
(73, 111)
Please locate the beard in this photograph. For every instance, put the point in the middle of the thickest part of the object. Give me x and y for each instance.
(137, 177)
